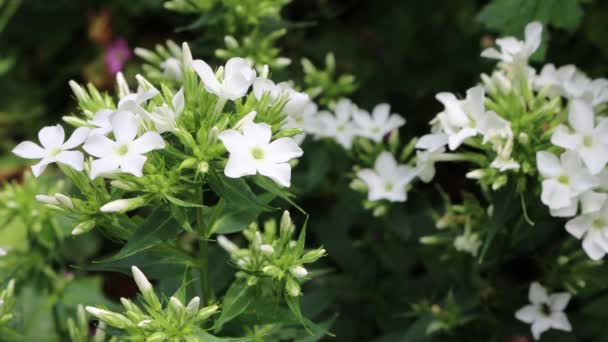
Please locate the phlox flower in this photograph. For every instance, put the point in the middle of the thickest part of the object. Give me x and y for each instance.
(305, 118)
(462, 119)
(588, 140)
(130, 103)
(379, 123)
(172, 69)
(237, 78)
(125, 153)
(251, 151)
(164, 116)
(339, 126)
(554, 79)
(388, 179)
(425, 163)
(515, 51)
(593, 229)
(565, 178)
(54, 148)
(545, 311)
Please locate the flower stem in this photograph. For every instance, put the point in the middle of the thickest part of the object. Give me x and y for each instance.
(203, 251)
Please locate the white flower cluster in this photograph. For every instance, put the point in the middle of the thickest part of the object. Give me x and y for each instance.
(118, 138)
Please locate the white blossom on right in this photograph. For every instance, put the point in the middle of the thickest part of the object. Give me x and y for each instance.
(545, 311)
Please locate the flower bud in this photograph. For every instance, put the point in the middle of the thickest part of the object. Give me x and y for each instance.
(47, 199)
(64, 201)
(186, 55)
(272, 271)
(289, 133)
(114, 319)
(193, 307)
(2, 252)
(313, 255)
(123, 205)
(243, 262)
(83, 227)
(80, 93)
(293, 288)
(122, 87)
(157, 337)
(177, 306)
(523, 138)
(146, 323)
(476, 174)
(231, 42)
(298, 271)
(266, 249)
(281, 62)
(431, 240)
(212, 136)
(203, 167)
(206, 312)
(286, 225)
(265, 71)
(145, 287)
(74, 121)
(226, 244)
(499, 182)
(187, 164)
(122, 185)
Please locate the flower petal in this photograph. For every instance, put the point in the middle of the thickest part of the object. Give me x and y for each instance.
(559, 301)
(432, 141)
(563, 138)
(539, 326)
(39, 168)
(381, 113)
(77, 138)
(258, 133)
(593, 250)
(577, 227)
(99, 146)
(537, 294)
(29, 150)
(239, 165)
(555, 195)
(146, 143)
(560, 321)
(124, 126)
(283, 150)
(207, 76)
(581, 116)
(527, 314)
(280, 173)
(51, 136)
(548, 164)
(234, 141)
(178, 102)
(73, 159)
(103, 166)
(133, 164)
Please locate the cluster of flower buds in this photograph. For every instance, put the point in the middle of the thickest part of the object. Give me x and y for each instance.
(272, 255)
(7, 303)
(157, 321)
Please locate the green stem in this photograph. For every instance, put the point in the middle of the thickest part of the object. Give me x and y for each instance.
(203, 251)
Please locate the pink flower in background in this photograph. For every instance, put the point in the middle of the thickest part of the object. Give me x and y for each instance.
(116, 54)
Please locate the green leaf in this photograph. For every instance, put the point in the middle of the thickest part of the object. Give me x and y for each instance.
(182, 203)
(312, 328)
(231, 218)
(272, 187)
(159, 227)
(235, 191)
(237, 299)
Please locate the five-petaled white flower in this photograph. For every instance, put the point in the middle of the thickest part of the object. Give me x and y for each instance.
(588, 140)
(545, 311)
(593, 229)
(514, 51)
(388, 179)
(252, 151)
(425, 162)
(339, 126)
(54, 148)
(462, 119)
(565, 179)
(125, 154)
(238, 77)
(379, 123)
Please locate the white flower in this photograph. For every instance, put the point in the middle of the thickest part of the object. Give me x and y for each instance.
(263, 85)
(388, 179)
(514, 51)
(466, 118)
(164, 117)
(125, 154)
(172, 69)
(3, 252)
(564, 179)
(379, 123)
(468, 243)
(130, 103)
(251, 151)
(238, 77)
(305, 118)
(340, 127)
(425, 163)
(503, 160)
(54, 148)
(554, 80)
(588, 140)
(581, 87)
(545, 311)
(593, 229)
